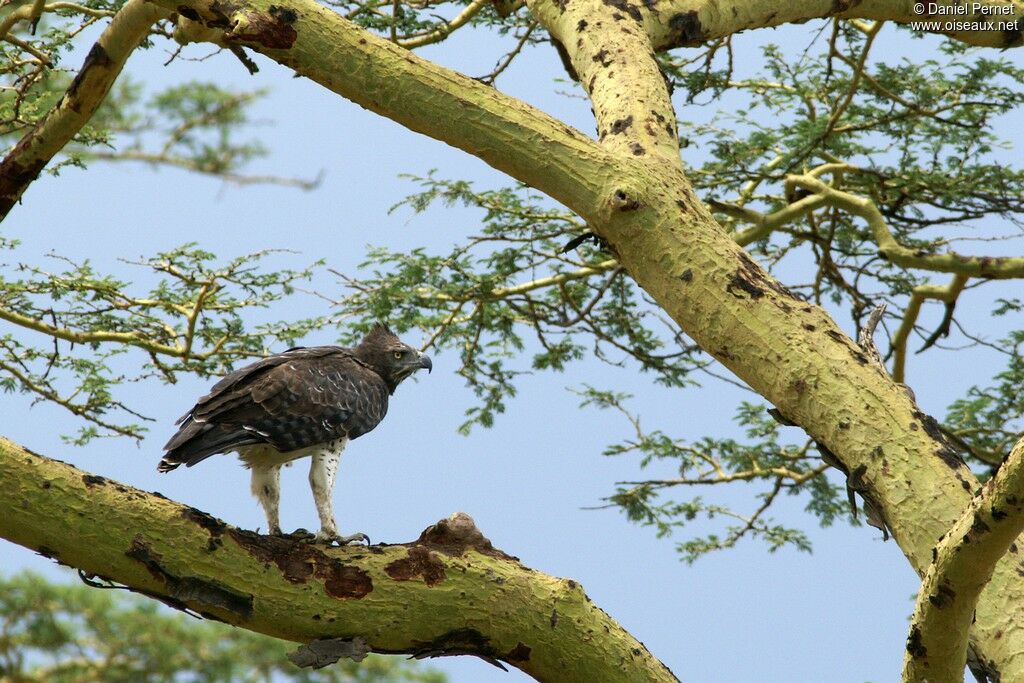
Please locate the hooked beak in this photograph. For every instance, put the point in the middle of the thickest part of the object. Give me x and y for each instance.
(426, 363)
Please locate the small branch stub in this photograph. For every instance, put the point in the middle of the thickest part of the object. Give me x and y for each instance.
(324, 652)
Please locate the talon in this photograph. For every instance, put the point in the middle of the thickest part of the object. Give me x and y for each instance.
(330, 538)
(354, 538)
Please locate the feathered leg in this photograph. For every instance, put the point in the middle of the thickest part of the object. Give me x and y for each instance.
(266, 486)
(321, 480)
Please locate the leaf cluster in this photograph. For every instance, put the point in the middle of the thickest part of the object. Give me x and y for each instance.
(764, 460)
(72, 327)
(918, 138)
(515, 278)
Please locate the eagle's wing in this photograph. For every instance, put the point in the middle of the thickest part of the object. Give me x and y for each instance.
(290, 401)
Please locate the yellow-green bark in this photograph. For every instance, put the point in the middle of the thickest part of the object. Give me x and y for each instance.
(101, 68)
(675, 23)
(995, 268)
(614, 60)
(508, 134)
(962, 566)
(449, 592)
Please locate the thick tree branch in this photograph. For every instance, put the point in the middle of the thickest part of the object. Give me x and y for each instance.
(449, 592)
(506, 133)
(102, 65)
(787, 350)
(963, 564)
(612, 54)
(688, 23)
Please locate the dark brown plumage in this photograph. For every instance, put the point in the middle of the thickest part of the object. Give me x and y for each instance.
(305, 401)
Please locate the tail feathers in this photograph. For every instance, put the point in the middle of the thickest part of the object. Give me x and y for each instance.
(172, 461)
(200, 443)
(167, 464)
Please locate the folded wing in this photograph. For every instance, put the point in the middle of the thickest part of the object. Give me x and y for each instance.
(290, 401)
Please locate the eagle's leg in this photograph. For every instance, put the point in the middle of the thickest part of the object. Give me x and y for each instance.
(266, 486)
(321, 480)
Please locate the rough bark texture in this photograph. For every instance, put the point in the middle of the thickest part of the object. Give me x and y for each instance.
(614, 59)
(962, 565)
(448, 592)
(674, 23)
(389, 80)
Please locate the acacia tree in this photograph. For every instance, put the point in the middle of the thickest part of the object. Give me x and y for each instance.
(875, 169)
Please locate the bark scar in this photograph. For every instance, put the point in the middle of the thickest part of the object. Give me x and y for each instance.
(182, 590)
(272, 30)
(298, 561)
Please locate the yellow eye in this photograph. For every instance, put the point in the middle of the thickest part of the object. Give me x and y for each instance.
(398, 354)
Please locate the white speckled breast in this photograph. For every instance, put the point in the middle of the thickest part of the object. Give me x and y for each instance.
(265, 455)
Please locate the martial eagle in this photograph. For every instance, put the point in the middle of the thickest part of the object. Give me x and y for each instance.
(303, 402)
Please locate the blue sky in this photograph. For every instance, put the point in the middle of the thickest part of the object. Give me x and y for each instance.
(839, 614)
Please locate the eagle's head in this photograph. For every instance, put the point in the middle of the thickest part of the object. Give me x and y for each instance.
(390, 357)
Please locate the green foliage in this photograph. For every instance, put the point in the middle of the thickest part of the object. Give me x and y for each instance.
(193, 126)
(764, 460)
(515, 277)
(76, 323)
(418, 19)
(66, 633)
(989, 420)
(509, 274)
(917, 137)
